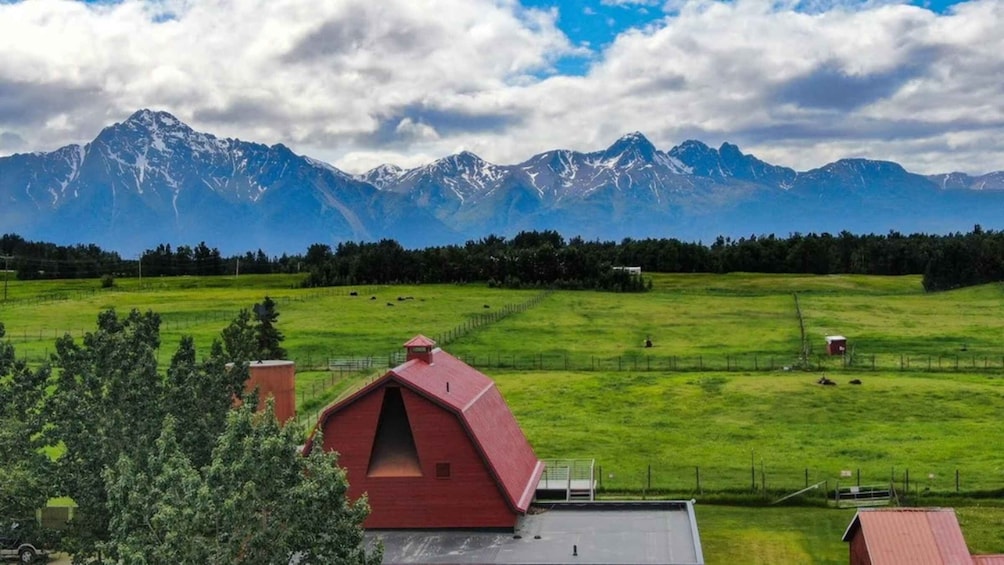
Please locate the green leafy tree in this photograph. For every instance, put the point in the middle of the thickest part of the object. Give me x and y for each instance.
(200, 394)
(259, 501)
(24, 468)
(107, 403)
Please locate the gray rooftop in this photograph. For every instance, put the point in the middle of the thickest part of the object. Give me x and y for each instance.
(599, 532)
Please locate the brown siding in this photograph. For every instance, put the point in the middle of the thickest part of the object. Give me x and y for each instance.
(859, 551)
(276, 380)
(470, 498)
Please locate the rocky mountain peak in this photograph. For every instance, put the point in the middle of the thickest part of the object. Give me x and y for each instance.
(633, 146)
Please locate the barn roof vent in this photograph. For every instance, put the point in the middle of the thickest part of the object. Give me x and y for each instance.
(420, 347)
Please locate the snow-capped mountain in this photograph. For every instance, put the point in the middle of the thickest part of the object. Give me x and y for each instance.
(152, 179)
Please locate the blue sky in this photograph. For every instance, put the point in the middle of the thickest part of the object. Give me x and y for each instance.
(597, 23)
(357, 83)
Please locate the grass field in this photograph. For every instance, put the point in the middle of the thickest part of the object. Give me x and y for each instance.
(793, 429)
(732, 429)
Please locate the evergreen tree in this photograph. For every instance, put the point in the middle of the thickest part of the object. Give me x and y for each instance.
(268, 337)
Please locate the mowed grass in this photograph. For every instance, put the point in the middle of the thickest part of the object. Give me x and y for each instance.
(772, 536)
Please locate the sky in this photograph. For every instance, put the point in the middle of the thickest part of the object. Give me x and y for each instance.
(359, 83)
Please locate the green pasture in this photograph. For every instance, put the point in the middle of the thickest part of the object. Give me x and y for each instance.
(739, 431)
(709, 434)
(964, 326)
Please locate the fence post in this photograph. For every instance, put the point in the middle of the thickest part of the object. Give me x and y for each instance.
(956, 480)
(806, 477)
(697, 471)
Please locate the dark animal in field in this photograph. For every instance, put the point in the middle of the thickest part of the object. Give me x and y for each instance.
(353, 293)
(373, 298)
(856, 381)
(390, 304)
(487, 306)
(648, 342)
(400, 299)
(823, 380)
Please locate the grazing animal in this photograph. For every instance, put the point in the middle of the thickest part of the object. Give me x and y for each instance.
(648, 342)
(390, 304)
(487, 306)
(856, 382)
(353, 293)
(400, 299)
(825, 381)
(373, 298)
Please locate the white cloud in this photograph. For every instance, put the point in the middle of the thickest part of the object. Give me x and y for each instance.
(359, 82)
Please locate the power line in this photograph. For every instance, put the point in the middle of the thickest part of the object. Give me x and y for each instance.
(6, 274)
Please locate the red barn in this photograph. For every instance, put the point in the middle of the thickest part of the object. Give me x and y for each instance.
(433, 445)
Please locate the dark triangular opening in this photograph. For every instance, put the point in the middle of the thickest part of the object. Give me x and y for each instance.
(394, 453)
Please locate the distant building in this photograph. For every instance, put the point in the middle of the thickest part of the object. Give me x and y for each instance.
(836, 345)
(910, 536)
(629, 270)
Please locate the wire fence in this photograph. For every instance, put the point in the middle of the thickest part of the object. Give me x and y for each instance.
(734, 363)
(774, 482)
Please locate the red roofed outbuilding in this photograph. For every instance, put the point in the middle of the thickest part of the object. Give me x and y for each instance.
(433, 445)
(910, 536)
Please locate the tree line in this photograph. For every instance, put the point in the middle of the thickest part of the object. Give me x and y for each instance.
(33, 260)
(162, 467)
(547, 259)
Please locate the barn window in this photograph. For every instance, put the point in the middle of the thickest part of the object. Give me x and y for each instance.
(442, 470)
(394, 453)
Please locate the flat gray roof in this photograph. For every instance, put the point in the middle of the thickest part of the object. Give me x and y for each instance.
(601, 532)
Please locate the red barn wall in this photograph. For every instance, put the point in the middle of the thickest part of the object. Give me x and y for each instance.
(859, 551)
(470, 498)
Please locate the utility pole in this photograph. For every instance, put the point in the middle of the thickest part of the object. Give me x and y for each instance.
(6, 274)
(141, 270)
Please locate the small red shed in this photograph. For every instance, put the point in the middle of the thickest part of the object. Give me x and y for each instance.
(836, 344)
(433, 444)
(907, 536)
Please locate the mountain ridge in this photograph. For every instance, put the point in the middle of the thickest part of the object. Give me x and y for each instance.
(153, 179)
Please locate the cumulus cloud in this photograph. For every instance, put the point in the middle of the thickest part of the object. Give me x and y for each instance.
(358, 82)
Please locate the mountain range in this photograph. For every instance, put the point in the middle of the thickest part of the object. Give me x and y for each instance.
(152, 179)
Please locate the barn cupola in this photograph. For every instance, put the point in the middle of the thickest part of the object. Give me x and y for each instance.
(420, 347)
